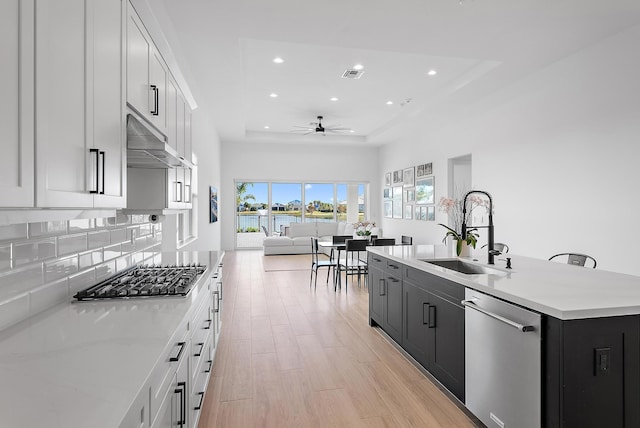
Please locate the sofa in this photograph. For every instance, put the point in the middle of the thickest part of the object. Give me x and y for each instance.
(298, 236)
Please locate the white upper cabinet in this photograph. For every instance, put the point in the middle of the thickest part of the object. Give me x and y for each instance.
(16, 103)
(79, 104)
(187, 133)
(146, 74)
(172, 113)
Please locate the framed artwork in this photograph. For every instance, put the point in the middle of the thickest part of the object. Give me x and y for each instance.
(213, 204)
(409, 177)
(431, 213)
(425, 191)
(388, 209)
(409, 195)
(387, 179)
(397, 202)
(408, 212)
(386, 193)
(397, 176)
(424, 169)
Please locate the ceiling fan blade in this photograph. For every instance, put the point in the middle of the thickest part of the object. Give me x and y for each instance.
(338, 129)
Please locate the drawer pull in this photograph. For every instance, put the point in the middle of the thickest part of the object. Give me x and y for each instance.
(208, 327)
(177, 357)
(201, 345)
(377, 260)
(210, 366)
(199, 406)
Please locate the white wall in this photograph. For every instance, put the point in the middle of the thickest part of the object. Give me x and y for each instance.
(206, 146)
(557, 150)
(291, 163)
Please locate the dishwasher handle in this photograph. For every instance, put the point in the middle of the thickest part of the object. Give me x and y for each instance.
(470, 303)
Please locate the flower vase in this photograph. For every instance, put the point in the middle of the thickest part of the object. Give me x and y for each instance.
(465, 250)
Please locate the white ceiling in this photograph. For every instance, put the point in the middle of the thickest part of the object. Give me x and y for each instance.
(225, 50)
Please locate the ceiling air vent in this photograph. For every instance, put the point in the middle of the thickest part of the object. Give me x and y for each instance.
(352, 74)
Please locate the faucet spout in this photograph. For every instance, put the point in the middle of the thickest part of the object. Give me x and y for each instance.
(491, 253)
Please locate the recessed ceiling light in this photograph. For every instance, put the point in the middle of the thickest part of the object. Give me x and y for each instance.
(389, 103)
(358, 67)
(432, 73)
(334, 99)
(266, 127)
(273, 95)
(278, 60)
(352, 131)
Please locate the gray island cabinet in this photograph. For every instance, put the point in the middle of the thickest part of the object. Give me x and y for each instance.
(590, 362)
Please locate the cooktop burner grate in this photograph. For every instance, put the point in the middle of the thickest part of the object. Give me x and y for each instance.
(145, 281)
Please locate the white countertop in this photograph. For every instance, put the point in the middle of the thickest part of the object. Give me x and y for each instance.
(559, 290)
(81, 364)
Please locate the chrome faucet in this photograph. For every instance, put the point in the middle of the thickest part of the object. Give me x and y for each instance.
(491, 251)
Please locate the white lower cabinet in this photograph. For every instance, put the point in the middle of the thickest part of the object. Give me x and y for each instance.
(175, 391)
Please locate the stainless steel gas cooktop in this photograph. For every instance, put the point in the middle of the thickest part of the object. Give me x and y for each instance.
(145, 281)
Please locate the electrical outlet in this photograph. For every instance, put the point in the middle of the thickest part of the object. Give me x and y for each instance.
(602, 363)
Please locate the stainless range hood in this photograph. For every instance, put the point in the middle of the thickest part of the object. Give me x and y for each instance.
(147, 147)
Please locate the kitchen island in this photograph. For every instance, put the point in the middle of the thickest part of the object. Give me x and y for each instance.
(95, 363)
(585, 314)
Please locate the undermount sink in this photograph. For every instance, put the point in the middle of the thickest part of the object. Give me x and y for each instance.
(465, 267)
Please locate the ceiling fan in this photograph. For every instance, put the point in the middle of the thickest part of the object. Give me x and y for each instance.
(318, 128)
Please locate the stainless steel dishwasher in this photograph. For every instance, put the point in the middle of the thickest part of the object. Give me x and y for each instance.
(502, 362)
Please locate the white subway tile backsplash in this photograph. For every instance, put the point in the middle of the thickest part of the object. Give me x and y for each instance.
(91, 258)
(5, 256)
(19, 281)
(80, 224)
(98, 239)
(112, 252)
(14, 310)
(72, 244)
(60, 268)
(105, 270)
(118, 235)
(48, 295)
(81, 281)
(14, 231)
(46, 263)
(32, 251)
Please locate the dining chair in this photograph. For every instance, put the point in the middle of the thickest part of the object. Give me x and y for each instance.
(503, 248)
(316, 263)
(576, 259)
(383, 241)
(352, 264)
(407, 240)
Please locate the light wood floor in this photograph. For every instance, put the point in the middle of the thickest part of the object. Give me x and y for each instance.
(290, 356)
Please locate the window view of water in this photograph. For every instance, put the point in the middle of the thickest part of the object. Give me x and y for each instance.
(272, 206)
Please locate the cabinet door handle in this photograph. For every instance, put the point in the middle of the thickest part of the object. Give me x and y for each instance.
(425, 314)
(187, 193)
(381, 287)
(102, 155)
(392, 279)
(210, 366)
(432, 316)
(395, 267)
(96, 152)
(178, 191)
(156, 100)
(182, 390)
(208, 327)
(199, 406)
(201, 345)
(177, 357)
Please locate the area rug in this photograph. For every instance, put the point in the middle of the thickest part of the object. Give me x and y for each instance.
(287, 262)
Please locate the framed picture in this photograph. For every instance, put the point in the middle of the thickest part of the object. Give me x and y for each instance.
(397, 202)
(409, 195)
(409, 177)
(425, 191)
(431, 213)
(397, 176)
(387, 179)
(424, 169)
(213, 204)
(386, 193)
(388, 209)
(408, 212)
